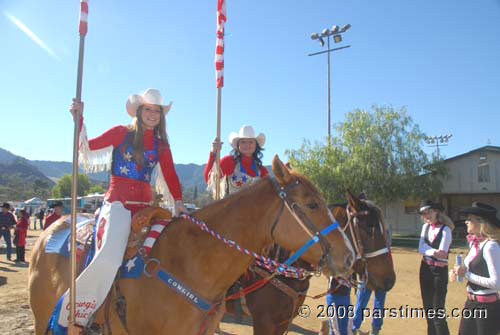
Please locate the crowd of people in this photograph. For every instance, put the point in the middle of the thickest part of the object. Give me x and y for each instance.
(14, 225)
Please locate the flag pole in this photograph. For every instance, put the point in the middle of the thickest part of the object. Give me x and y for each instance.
(74, 178)
(217, 156)
(219, 74)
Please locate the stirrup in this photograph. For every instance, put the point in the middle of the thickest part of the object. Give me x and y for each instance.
(93, 329)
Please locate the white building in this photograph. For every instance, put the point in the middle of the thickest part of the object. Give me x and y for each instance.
(472, 176)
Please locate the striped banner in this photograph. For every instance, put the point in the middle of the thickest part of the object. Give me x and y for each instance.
(219, 45)
(84, 12)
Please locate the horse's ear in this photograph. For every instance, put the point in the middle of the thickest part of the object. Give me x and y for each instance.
(353, 201)
(281, 172)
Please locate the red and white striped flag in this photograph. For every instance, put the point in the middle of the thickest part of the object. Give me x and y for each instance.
(219, 45)
(84, 12)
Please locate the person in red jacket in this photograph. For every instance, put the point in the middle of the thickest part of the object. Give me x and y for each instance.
(21, 232)
(137, 155)
(55, 215)
(244, 164)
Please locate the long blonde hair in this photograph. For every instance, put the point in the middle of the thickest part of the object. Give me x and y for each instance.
(489, 231)
(443, 218)
(137, 130)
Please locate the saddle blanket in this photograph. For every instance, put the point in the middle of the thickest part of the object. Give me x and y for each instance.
(59, 243)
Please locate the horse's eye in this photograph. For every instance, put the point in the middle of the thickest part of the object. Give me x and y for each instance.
(312, 205)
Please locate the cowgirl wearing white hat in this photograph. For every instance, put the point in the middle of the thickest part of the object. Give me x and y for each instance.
(243, 166)
(137, 154)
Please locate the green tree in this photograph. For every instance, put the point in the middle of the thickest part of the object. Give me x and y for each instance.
(96, 188)
(195, 193)
(378, 151)
(63, 186)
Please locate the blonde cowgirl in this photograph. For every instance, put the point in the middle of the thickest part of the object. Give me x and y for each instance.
(481, 268)
(434, 245)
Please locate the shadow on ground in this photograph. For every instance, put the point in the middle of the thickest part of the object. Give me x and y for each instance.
(248, 322)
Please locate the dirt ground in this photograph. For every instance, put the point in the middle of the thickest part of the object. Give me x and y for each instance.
(16, 316)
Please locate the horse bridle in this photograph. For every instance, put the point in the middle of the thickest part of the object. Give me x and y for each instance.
(306, 224)
(353, 226)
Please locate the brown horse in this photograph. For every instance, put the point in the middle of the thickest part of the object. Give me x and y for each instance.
(254, 217)
(274, 306)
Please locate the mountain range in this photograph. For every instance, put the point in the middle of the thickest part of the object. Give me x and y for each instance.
(190, 175)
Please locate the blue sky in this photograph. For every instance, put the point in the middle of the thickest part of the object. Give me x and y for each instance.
(438, 58)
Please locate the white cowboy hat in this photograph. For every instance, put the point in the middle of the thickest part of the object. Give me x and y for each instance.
(151, 96)
(246, 132)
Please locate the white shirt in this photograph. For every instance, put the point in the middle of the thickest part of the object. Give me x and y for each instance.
(491, 255)
(427, 250)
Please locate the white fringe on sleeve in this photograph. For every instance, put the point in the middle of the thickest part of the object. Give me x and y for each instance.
(93, 160)
(212, 181)
(161, 187)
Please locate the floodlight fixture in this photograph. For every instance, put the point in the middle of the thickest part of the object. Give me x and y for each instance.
(346, 27)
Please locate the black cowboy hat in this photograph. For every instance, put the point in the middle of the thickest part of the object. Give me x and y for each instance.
(56, 204)
(6, 205)
(429, 204)
(485, 211)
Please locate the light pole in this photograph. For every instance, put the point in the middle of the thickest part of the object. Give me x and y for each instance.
(337, 38)
(437, 141)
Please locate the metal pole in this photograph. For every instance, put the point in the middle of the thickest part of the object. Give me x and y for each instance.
(334, 49)
(217, 156)
(328, 44)
(74, 187)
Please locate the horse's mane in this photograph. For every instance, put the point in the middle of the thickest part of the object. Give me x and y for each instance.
(368, 203)
(232, 198)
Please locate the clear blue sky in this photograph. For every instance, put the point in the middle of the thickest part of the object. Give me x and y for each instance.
(441, 59)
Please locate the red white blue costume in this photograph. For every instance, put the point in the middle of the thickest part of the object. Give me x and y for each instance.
(129, 191)
(236, 174)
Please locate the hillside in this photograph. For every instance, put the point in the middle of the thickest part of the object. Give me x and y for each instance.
(20, 180)
(190, 175)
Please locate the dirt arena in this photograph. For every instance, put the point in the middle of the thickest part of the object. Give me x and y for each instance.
(16, 317)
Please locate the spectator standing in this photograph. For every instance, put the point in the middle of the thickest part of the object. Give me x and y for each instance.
(22, 226)
(56, 214)
(7, 221)
(41, 216)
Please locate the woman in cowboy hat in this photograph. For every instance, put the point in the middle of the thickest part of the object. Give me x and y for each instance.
(137, 154)
(244, 164)
(482, 269)
(434, 244)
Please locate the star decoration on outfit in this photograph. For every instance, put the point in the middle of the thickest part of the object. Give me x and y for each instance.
(244, 179)
(151, 164)
(239, 183)
(234, 177)
(123, 170)
(146, 176)
(131, 263)
(127, 156)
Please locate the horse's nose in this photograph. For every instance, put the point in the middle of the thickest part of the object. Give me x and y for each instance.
(389, 283)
